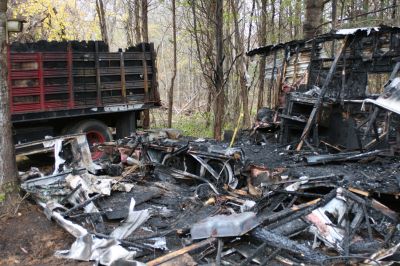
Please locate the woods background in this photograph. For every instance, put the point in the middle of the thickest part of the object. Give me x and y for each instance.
(205, 78)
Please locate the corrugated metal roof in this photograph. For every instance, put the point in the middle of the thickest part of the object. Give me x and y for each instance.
(390, 98)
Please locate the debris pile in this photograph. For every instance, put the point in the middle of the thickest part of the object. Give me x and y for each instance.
(159, 198)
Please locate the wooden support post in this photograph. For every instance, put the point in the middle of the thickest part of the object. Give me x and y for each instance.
(145, 76)
(41, 81)
(154, 84)
(283, 70)
(98, 80)
(296, 62)
(146, 113)
(123, 82)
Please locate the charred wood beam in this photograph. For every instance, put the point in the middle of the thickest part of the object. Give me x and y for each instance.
(291, 228)
(64, 200)
(270, 257)
(290, 246)
(340, 157)
(219, 251)
(82, 205)
(312, 58)
(347, 239)
(283, 67)
(287, 216)
(372, 119)
(367, 222)
(254, 254)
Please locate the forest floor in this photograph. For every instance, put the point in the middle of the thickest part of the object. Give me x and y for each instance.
(29, 238)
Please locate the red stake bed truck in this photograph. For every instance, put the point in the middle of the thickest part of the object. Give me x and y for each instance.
(59, 88)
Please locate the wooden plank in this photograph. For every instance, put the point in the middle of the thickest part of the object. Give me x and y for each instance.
(181, 251)
(359, 191)
(123, 82)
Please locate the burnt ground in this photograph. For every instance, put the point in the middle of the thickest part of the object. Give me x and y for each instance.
(29, 238)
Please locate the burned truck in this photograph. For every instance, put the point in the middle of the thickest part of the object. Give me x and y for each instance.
(327, 90)
(59, 88)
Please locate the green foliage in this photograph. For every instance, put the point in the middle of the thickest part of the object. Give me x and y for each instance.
(2, 197)
(8, 188)
(193, 125)
(56, 20)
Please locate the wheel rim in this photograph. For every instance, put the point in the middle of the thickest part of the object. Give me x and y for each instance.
(225, 170)
(95, 137)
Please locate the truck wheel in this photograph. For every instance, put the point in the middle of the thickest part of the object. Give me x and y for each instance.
(96, 132)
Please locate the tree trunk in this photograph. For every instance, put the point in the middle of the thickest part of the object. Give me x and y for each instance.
(291, 24)
(129, 24)
(171, 89)
(8, 168)
(205, 53)
(280, 17)
(253, 6)
(298, 19)
(314, 9)
(240, 65)
(365, 6)
(219, 72)
(273, 21)
(102, 20)
(334, 14)
(145, 36)
(232, 87)
(138, 33)
(262, 41)
(145, 25)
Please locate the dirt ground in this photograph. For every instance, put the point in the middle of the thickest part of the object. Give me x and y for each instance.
(29, 238)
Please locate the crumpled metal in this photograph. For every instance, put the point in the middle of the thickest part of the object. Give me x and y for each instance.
(88, 247)
(131, 223)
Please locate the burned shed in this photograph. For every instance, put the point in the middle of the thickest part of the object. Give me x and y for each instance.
(320, 86)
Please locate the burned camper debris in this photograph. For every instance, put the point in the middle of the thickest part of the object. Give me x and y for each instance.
(247, 205)
(326, 91)
(316, 181)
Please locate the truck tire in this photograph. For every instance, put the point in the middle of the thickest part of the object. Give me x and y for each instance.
(96, 132)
